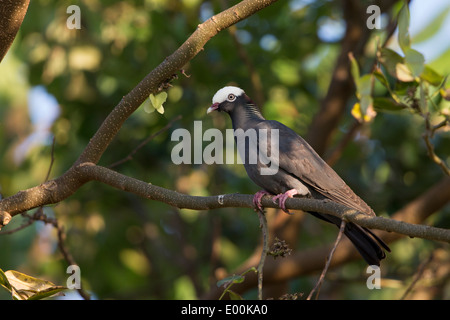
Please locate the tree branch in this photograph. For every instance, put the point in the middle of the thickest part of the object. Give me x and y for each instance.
(56, 190)
(12, 13)
(163, 74)
(181, 201)
(59, 189)
(310, 260)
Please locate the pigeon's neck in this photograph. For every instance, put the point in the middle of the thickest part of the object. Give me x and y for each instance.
(243, 118)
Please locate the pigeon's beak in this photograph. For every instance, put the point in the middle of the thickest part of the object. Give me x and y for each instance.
(214, 107)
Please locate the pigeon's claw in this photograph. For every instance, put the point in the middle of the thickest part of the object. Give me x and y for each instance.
(282, 197)
(257, 199)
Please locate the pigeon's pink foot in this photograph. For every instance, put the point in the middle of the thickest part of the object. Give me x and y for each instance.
(257, 198)
(282, 197)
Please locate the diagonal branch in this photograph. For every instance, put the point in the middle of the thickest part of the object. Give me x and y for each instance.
(12, 14)
(163, 73)
(143, 143)
(64, 186)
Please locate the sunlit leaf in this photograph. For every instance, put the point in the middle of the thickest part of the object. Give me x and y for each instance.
(431, 76)
(403, 73)
(387, 56)
(47, 292)
(160, 109)
(158, 101)
(4, 281)
(356, 112)
(25, 287)
(395, 65)
(403, 28)
(364, 111)
(415, 61)
(365, 84)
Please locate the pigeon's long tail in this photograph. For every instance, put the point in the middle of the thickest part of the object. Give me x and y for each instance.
(367, 243)
(369, 246)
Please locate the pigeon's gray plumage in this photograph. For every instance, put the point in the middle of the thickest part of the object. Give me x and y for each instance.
(300, 170)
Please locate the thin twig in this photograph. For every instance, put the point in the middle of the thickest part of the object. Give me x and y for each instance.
(265, 249)
(52, 159)
(441, 124)
(39, 211)
(21, 227)
(67, 256)
(143, 143)
(327, 265)
(428, 134)
(39, 215)
(417, 276)
(433, 156)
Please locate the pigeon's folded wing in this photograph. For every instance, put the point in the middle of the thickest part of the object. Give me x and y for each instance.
(299, 159)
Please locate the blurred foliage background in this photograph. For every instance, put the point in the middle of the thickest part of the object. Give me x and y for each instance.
(133, 248)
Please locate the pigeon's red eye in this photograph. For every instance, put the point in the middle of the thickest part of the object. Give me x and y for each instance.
(231, 97)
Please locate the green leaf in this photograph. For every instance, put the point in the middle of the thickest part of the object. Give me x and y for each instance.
(354, 68)
(231, 279)
(4, 281)
(395, 65)
(47, 292)
(441, 63)
(422, 96)
(362, 110)
(402, 88)
(403, 28)
(433, 27)
(25, 287)
(431, 76)
(415, 61)
(365, 85)
(158, 101)
(387, 105)
(234, 295)
(379, 75)
(366, 102)
(403, 73)
(388, 55)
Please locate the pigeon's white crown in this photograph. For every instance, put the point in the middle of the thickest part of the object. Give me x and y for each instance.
(223, 93)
